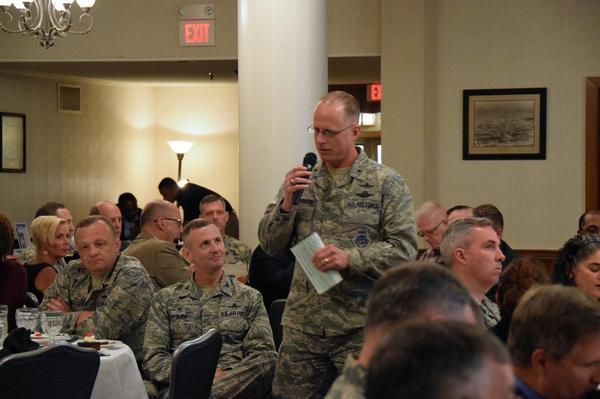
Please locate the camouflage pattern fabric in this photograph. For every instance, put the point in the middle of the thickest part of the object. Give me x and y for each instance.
(308, 364)
(351, 383)
(183, 312)
(120, 304)
(490, 312)
(236, 251)
(370, 215)
(165, 265)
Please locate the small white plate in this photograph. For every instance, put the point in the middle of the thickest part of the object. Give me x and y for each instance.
(59, 337)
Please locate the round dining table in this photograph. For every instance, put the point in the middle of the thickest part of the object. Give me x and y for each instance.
(118, 376)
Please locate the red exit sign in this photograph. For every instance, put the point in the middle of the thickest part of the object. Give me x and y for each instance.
(197, 32)
(374, 92)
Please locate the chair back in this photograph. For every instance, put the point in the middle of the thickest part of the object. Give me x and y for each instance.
(275, 314)
(194, 365)
(54, 372)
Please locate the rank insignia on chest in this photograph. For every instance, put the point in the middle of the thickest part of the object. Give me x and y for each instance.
(364, 194)
(361, 239)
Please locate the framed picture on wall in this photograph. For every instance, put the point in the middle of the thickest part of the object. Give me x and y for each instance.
(504, 124)
(12, 143)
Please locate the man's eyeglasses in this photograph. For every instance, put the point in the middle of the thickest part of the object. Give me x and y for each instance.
(179, 221)
(429, 233)
(326, 132)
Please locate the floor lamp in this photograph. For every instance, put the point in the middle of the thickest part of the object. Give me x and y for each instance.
(180, 148)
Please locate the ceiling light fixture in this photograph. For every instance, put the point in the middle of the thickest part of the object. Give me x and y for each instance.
(46, 19)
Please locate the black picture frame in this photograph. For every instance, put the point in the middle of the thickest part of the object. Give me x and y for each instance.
(504, 124)
(13, 130)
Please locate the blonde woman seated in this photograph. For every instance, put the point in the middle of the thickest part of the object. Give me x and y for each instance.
(50, 235)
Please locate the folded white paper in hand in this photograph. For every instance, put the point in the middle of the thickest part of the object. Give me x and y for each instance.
(304, 252)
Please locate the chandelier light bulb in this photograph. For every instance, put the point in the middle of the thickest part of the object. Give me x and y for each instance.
(47, 20)
(86, 3)
(19, 5)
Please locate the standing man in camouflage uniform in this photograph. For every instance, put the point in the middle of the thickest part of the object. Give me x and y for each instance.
(364, 214)
(209, 299)
(212, 207)
(104, 293)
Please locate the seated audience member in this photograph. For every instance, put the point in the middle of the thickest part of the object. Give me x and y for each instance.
(489, 211)
(516, 279)
(578, 264)
(431, 221)
(209, 299)
(130, 214)
(155, 246)
(445, 360)
(13, 278)
(189, 196)
(104, 292)
(50, 236)
(459, 212)
(112, 213)
(212, 207)
(471, 249)
(492, 213)
(52, 209)
(271, 275)
(413, 291)
(589, 222)
(554, 341)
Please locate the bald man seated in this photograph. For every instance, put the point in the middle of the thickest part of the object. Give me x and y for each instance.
(155, 245)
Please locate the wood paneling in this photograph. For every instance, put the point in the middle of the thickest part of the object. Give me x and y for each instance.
(592, 143)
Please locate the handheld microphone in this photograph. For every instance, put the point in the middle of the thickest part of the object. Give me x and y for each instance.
(309, 162)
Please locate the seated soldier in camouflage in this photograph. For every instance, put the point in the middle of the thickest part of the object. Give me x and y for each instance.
(414, 291)
(212, 207)
(209, 299)
(104, 292)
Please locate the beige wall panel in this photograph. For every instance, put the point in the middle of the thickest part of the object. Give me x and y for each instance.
(78, 159)
(353, 27)
(207, 116)
(503, 44)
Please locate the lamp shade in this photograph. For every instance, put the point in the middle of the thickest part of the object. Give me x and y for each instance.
(180, 147)
(5, 3)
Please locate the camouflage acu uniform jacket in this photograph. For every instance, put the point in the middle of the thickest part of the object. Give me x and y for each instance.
(182, 312)
(351, 384)
(120, 304)
(490, 312)
(236, 251)
(369, 214)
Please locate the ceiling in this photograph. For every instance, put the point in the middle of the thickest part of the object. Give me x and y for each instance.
(341, 70)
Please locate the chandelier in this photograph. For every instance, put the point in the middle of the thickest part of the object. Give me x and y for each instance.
(46, 19)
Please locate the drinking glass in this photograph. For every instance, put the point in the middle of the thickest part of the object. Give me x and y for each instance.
(52, 321)
(27, 318)
(3, 322)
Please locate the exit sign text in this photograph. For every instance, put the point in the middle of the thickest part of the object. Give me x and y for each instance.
(374, 92)
(197, 32)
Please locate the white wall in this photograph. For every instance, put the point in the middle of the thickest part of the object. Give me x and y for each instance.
(208, 117)
(117, 144)
(501, 44)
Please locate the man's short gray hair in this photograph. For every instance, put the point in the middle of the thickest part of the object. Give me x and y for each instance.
(459, 234)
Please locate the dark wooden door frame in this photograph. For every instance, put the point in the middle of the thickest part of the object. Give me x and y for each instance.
(592, 143)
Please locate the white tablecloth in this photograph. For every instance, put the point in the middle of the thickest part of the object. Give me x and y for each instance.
(118, 376)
